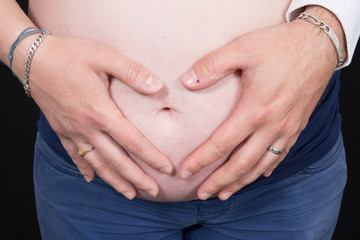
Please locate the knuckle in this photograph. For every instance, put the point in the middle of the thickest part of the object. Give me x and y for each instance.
(239, 185)
(280, 129)
(114, 123)
(221, 149)
(215, 187)
(85, 119)
(245, 45)
(241, 168)
(133, 147)
(141, 184)
(133, 72)
(197, 166)
(211, 66)
(117, 165)
(289, 128)
(98, 166)
(101, 52)
(73, 127)
(291, 131)
(92, 117)
(119, 186)
(261, 116)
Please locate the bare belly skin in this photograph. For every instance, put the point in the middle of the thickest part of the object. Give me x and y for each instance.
(167, 37)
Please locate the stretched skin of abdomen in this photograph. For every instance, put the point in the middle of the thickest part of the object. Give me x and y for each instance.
(167, 37)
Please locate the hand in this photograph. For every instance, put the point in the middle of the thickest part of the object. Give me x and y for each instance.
(284, 72)
(69, 81)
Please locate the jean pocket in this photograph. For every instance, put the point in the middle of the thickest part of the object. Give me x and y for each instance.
(49, 156)
(335, 154)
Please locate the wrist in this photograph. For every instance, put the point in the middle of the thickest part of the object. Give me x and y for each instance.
(333, 30)
(13, 20)
(314, 50)
(20, 53)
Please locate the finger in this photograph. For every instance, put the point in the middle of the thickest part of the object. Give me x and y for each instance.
(126, 167)
(244, 180)
(131, 73)
(107, 117)
(103, 170)
(214, 66)
(221, 143)
(242, 160)
(247, 178)
(271, 168)
(267, 160)
(125, 134)
(85, 169)
(109, 175)
(273, 160)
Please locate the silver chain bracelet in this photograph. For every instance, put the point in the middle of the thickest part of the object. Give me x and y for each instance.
(28, 61)
(327, 29)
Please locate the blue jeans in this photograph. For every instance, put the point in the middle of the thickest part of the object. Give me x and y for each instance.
(303, 206)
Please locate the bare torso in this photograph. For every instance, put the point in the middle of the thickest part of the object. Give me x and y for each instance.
(167, 37)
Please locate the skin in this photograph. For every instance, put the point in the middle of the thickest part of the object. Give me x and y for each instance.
(191, 116)
(270, 113)
(82, 121)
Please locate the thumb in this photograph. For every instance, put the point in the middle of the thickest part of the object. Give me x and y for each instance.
(131, 73)
(213, 67)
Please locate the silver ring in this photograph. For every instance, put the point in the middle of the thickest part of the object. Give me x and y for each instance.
(275, 151)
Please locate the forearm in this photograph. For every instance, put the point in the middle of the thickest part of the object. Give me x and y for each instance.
(13, 20)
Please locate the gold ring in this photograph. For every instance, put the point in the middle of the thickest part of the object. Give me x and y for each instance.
(83, 153)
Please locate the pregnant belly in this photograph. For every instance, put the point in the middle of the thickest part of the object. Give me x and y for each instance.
(167, 37)
(177, 121)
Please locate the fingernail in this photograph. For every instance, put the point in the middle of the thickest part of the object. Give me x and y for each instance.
(185, 174)
(204, 195)
(190, 77)
(128, 195)
(88, 179)
(152, 193)
(267, 174)
(152, 84)
(226, 196)
(167, 170)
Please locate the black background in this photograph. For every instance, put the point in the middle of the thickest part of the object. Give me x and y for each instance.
(18, 118)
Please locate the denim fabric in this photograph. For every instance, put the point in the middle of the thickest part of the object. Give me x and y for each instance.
(319, 135)
(304, 206)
